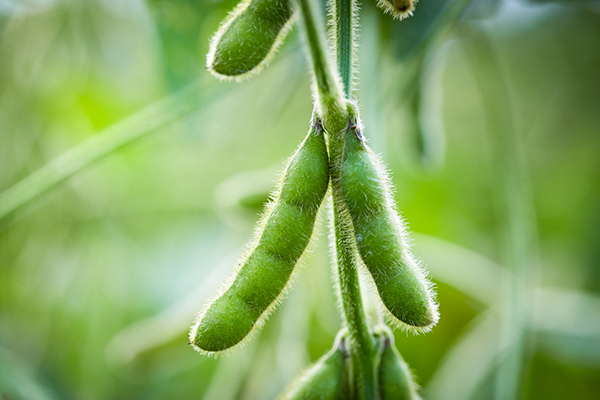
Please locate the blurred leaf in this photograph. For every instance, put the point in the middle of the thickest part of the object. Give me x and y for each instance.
(591, 5)
(169, 324)
(432, 18)
(20, 381)
(556, 309)
(469, 362)
(239, 199)
(412, 34)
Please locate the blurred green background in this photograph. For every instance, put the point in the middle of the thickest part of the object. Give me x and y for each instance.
(487, 113)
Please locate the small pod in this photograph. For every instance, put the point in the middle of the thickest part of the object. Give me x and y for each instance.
(322, 381)
(281, 238)
(399, 9)
(248, 37)
(395, 379)
(381, 236)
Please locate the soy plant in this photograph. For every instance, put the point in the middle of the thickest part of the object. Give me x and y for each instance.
(367, 231)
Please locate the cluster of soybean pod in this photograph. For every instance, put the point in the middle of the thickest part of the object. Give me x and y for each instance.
(367, 231)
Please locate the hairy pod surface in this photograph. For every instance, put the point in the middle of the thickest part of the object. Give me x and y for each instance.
(395, 379)
(322, 381)
(281, 238)
(248, 37)
(399, 9)
(381, 236)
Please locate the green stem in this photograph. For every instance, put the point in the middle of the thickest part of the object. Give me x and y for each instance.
(344, 41)
(335, 118)
(329, 94)
(362, 346)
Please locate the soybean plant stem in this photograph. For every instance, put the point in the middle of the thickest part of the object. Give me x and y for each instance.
(332, 110)
(330, 102)
(344, 41)
(362, 347)
(361, 342)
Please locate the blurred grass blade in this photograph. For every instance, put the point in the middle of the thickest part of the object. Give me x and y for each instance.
(568, 311)
(18, 379)
(422, 105)
(568, 324)
(518, 230)
(227, 380)
(463, 269)
(559, 311)
(102, 144)
(468, 363)
(415, 34)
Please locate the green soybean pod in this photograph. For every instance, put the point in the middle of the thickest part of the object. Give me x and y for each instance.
(381, 237)
(248, 38)
(395, 379)
(281, 238)
(322, 381)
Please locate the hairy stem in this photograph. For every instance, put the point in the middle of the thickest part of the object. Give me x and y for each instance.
(362, 347)
(330, 99)
(332, 110)
(344, 41)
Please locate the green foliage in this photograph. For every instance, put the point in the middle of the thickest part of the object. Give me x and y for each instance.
(281, 238)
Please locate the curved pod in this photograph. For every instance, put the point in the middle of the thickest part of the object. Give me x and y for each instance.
(281, 238)
(381, 236)
(248, 37)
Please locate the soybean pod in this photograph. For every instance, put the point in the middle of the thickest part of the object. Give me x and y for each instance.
(395, 379)
(381, 236)
(324, 380)
(281, 238)
(249, 37)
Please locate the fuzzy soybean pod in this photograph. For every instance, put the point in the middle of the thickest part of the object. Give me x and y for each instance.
(381, 237)
(248, 37)
(395, 379)
(322, 381)
(281, 238)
